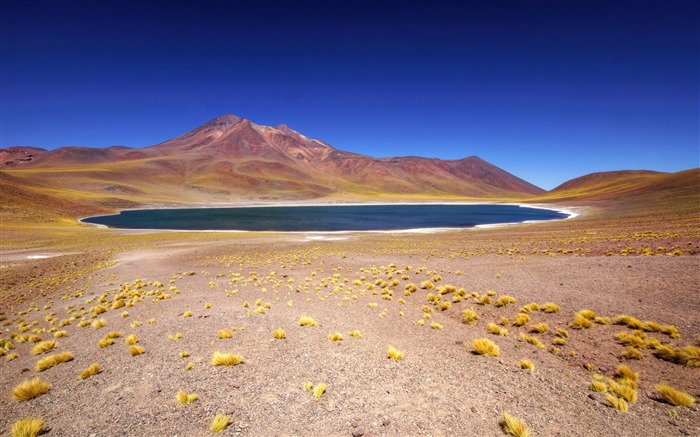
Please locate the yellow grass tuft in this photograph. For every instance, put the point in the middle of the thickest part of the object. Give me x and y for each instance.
(220, 359)
(532, 306)
(598, 386)
(513, 426)
(307, 386)
(675, 397)
(224, 333)
(44, 346)
(626, 373)
(624, 390)
(469, 316)
(99, 323)
(581, 321)
(335, 336)
(184, 398)
(632, 353)
(11, 356)
(29, 389)
(356, 333)
(671, 331)
(28, 427)
(505, 300)
(189, 366)
(104, 342)
(52, 360)
(135, 350)
(93, 369)
(394, 353)
(521, 319)
(666, 353)
(219, 423)
(436, 325)
(307, 321)
(131, 339)
(496, 330)
(319, 390)
(279, 334)
(617, 403)
(539, 328)
(532, 340)
(526, 365)
(59, 334)
(560, 341)
(549, 307)
(484, 346)
(690, 356)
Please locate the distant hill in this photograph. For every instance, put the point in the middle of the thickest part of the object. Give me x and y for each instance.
(233, 157)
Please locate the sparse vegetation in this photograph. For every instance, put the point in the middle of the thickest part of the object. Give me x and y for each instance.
(92, 369)
(219, 423)
(514, 426)
(29, 389)
(222, 359)
(394, 353)
(28, 427)
(184, 398)
(675, 397)
(484, 346)
(53, 360)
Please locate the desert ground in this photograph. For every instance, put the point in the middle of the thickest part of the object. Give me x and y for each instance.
(183, 296)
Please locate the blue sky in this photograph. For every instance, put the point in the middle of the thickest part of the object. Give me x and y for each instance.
(546, 90)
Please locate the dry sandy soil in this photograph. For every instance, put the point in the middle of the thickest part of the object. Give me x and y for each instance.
(184, 288)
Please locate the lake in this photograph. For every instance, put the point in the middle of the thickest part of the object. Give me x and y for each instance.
(326, 218)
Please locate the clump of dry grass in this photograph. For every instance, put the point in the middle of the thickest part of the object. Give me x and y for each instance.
(632, 353)
(583, 320)
(356, 333)
(184, 398)
(52, 360)
(99, 323)
(44, 346)
(598, 386)
(470, 316)
(539, 328)
(675, 397)
(104, 342)
(279, 334)
(625, 372)
(617, 403)
(91, 370)
(549, 307)
(521, 319)
(335, 336)
(532, 306)
(496, 330)
(219, 423)
(671, 331)
(221, 359)
(135, 350)
(436, 325)
(307, 321)
(526, 365)
(28, 427)
(514, 426)
(531, 339)
(319, 390)
(224, 333)
(131, 339)
(484, 346)
(394, 353)
(505, 300)
(689, 356)
(29, 389)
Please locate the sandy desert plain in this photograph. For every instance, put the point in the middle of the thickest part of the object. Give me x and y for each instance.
(589, 316)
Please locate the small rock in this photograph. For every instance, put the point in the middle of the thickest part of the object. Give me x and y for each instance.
(358, 433)
(386, 422)
(473, 409)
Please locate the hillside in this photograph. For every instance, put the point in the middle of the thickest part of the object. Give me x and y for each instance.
(230, 158)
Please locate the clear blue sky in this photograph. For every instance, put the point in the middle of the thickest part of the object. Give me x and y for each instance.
(547, 90)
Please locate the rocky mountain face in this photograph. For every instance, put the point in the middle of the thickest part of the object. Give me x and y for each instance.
(231, 157)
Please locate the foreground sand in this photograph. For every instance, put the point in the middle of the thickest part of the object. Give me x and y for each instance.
(184, 288)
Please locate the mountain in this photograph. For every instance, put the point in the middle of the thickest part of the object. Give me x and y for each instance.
(231, 158)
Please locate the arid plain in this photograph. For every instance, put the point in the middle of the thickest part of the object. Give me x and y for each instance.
(589, 316)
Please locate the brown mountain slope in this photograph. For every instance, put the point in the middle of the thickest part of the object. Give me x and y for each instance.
(230, 158)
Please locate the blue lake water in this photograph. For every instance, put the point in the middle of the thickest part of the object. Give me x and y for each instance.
(326, 218)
